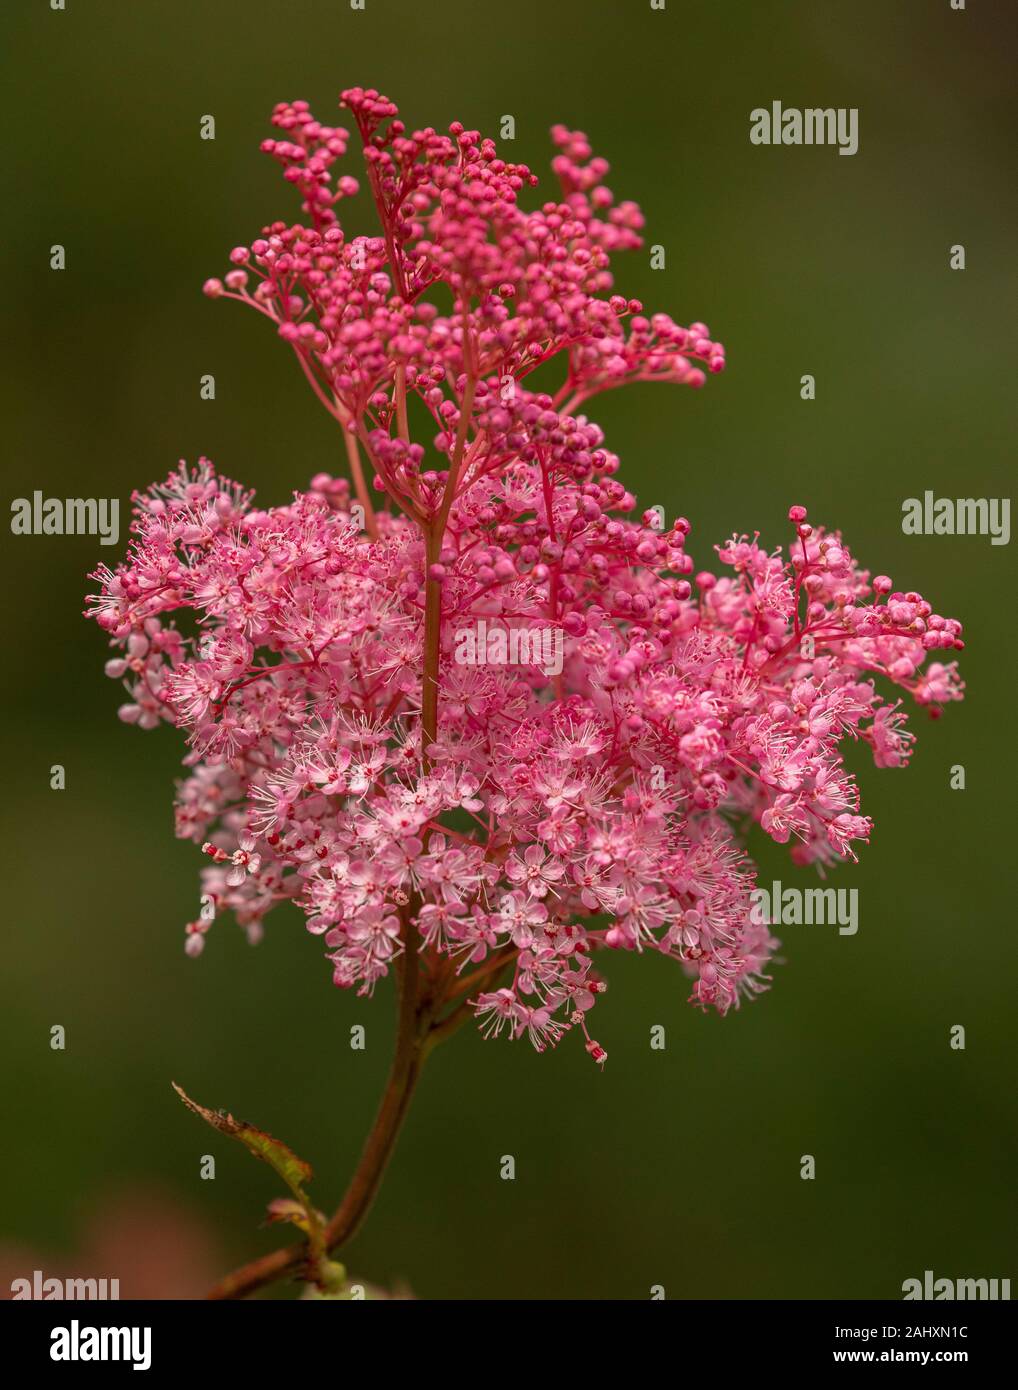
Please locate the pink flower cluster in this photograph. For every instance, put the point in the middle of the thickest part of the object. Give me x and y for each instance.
(504, 820)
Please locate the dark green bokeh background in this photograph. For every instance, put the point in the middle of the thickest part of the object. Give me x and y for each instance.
(677, 1168)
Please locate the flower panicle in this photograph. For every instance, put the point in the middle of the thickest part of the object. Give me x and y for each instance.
(507, 710)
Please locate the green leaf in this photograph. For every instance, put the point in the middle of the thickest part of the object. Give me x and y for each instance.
(293, 1170)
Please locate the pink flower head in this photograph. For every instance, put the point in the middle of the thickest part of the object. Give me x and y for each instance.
(505, 819)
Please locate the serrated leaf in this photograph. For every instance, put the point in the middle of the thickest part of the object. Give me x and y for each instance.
(282, 1159)
(293, 1170)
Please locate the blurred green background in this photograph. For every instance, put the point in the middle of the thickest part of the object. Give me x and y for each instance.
(677, 1168)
